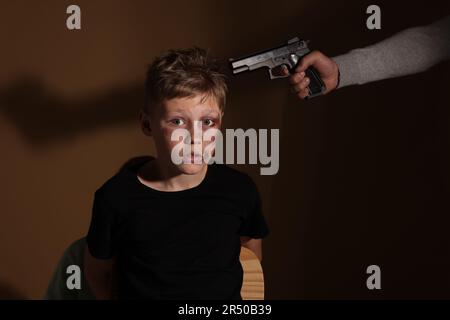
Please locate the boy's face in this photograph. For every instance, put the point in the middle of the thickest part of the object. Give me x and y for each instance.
(192, 114)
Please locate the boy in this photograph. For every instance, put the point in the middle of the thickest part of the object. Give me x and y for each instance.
(174, 231)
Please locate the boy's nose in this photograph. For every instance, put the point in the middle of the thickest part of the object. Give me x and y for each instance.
(195, 132)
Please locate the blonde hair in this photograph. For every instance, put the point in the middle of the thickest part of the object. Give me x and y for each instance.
(184, 73)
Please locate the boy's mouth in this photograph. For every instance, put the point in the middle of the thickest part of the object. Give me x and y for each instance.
(193, 158)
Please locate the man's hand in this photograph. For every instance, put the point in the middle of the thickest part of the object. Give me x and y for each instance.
(326, 67)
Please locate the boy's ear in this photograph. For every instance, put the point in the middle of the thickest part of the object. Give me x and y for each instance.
(144, 119)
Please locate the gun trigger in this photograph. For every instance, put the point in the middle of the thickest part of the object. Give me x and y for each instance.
(277, 72)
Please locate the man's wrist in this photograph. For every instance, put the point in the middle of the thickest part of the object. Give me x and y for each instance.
(338, 78)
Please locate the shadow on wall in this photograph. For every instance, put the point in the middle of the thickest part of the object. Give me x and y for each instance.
(43, 117)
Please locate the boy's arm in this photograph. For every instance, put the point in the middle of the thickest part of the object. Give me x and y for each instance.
(254, 245)
(99, 274)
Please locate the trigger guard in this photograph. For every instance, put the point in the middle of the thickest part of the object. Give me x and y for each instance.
(278, 75)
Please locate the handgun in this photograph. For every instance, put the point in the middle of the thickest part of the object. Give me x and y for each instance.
(286, 55)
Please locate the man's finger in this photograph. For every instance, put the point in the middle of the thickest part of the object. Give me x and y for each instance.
(302, 85)
(296, 78)
(303, 94)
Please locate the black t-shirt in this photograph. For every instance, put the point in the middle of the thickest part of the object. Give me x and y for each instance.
(176, 245)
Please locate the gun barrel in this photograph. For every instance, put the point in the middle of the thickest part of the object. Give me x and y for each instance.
(240, 69)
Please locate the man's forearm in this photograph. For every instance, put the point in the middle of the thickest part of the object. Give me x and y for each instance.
(407, 52)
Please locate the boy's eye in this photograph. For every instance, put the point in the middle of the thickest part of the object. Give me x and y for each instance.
(208, 122)
(177, 122)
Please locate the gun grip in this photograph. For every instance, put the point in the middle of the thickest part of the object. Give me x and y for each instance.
(316, 86)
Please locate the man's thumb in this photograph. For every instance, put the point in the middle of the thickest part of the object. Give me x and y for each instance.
(307, 61)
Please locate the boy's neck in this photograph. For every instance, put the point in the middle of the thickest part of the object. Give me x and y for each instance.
(159, 176)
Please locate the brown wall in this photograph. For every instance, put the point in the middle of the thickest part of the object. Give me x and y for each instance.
(363, 178)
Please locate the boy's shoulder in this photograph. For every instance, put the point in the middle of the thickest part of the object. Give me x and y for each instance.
(121, 181)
